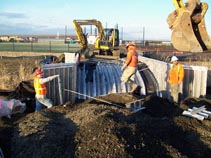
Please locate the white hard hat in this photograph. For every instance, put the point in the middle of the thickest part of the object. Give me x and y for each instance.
(174, 58)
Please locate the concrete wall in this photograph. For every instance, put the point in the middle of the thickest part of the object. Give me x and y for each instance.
(195, 80)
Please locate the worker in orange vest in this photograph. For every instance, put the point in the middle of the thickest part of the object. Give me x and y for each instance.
(130, 67)
(175, 78)
(41, 91)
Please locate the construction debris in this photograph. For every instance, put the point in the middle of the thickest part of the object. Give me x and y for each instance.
(199, 113)
(9, 107)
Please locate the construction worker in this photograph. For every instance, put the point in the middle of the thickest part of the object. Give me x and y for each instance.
(130, 67)
(41, 91)
(175, 78)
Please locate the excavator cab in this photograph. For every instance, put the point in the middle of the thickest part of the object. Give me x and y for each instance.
(112, 35)
(187, 23)
(109, 43)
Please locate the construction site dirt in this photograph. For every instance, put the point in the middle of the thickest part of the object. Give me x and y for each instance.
(96, 129)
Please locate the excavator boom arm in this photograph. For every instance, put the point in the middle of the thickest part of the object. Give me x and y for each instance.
(81, 36)
(178, 4)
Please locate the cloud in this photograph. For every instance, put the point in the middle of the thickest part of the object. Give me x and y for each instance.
(28, 28)
(11, 15)
(18, 28)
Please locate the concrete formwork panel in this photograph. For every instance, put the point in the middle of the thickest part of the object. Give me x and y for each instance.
(195, 80)
(100, 78)
(68, 77)
(91, 79)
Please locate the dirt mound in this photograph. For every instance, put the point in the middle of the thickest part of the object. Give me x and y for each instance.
(98, 129)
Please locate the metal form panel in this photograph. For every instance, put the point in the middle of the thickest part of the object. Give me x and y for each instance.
(93, 78)
(68, 77)
(100, 78)
(195, 80)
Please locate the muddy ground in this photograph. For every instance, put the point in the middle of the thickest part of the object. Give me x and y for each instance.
(96, 129)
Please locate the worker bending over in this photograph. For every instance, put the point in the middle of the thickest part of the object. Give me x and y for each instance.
(130, 67)
(175, 78)
(41, 91)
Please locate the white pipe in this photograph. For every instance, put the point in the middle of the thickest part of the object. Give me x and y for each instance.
(60, 91)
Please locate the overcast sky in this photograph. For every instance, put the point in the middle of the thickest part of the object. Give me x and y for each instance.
(52, 16)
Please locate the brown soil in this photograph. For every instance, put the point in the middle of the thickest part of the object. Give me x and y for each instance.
(96, 129)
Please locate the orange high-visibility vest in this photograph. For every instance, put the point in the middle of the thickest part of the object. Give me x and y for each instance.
(132, 57)
(176, 74)
(40, 89)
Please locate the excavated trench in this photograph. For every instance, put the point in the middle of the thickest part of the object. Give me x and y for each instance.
(95, 129)
(96, 77)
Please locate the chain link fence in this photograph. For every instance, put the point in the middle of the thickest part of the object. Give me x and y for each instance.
(40, 46)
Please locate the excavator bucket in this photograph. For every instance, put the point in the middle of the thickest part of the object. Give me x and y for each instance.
(187, 23)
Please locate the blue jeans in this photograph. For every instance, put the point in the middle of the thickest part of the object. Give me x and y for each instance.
(39, 106)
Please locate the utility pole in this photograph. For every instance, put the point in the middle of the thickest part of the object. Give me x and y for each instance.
(91, 29)
(144, 36)
(65, 33)
(95, 31)
(84, 30)
(122, 33)
(116, 26)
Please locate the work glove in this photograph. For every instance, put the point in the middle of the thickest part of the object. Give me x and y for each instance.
(56, 75)
(52, 77)
(123, 67)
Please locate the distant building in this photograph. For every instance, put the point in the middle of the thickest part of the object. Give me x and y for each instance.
(4, 38)
(157, 43)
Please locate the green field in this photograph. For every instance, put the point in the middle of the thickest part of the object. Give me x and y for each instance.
(41, 46)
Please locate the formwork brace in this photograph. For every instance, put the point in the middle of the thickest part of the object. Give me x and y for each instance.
(132, 106)
(60, 90)
(94, 98)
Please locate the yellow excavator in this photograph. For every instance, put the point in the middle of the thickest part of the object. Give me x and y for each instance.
(106, 42)
(187, 23)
